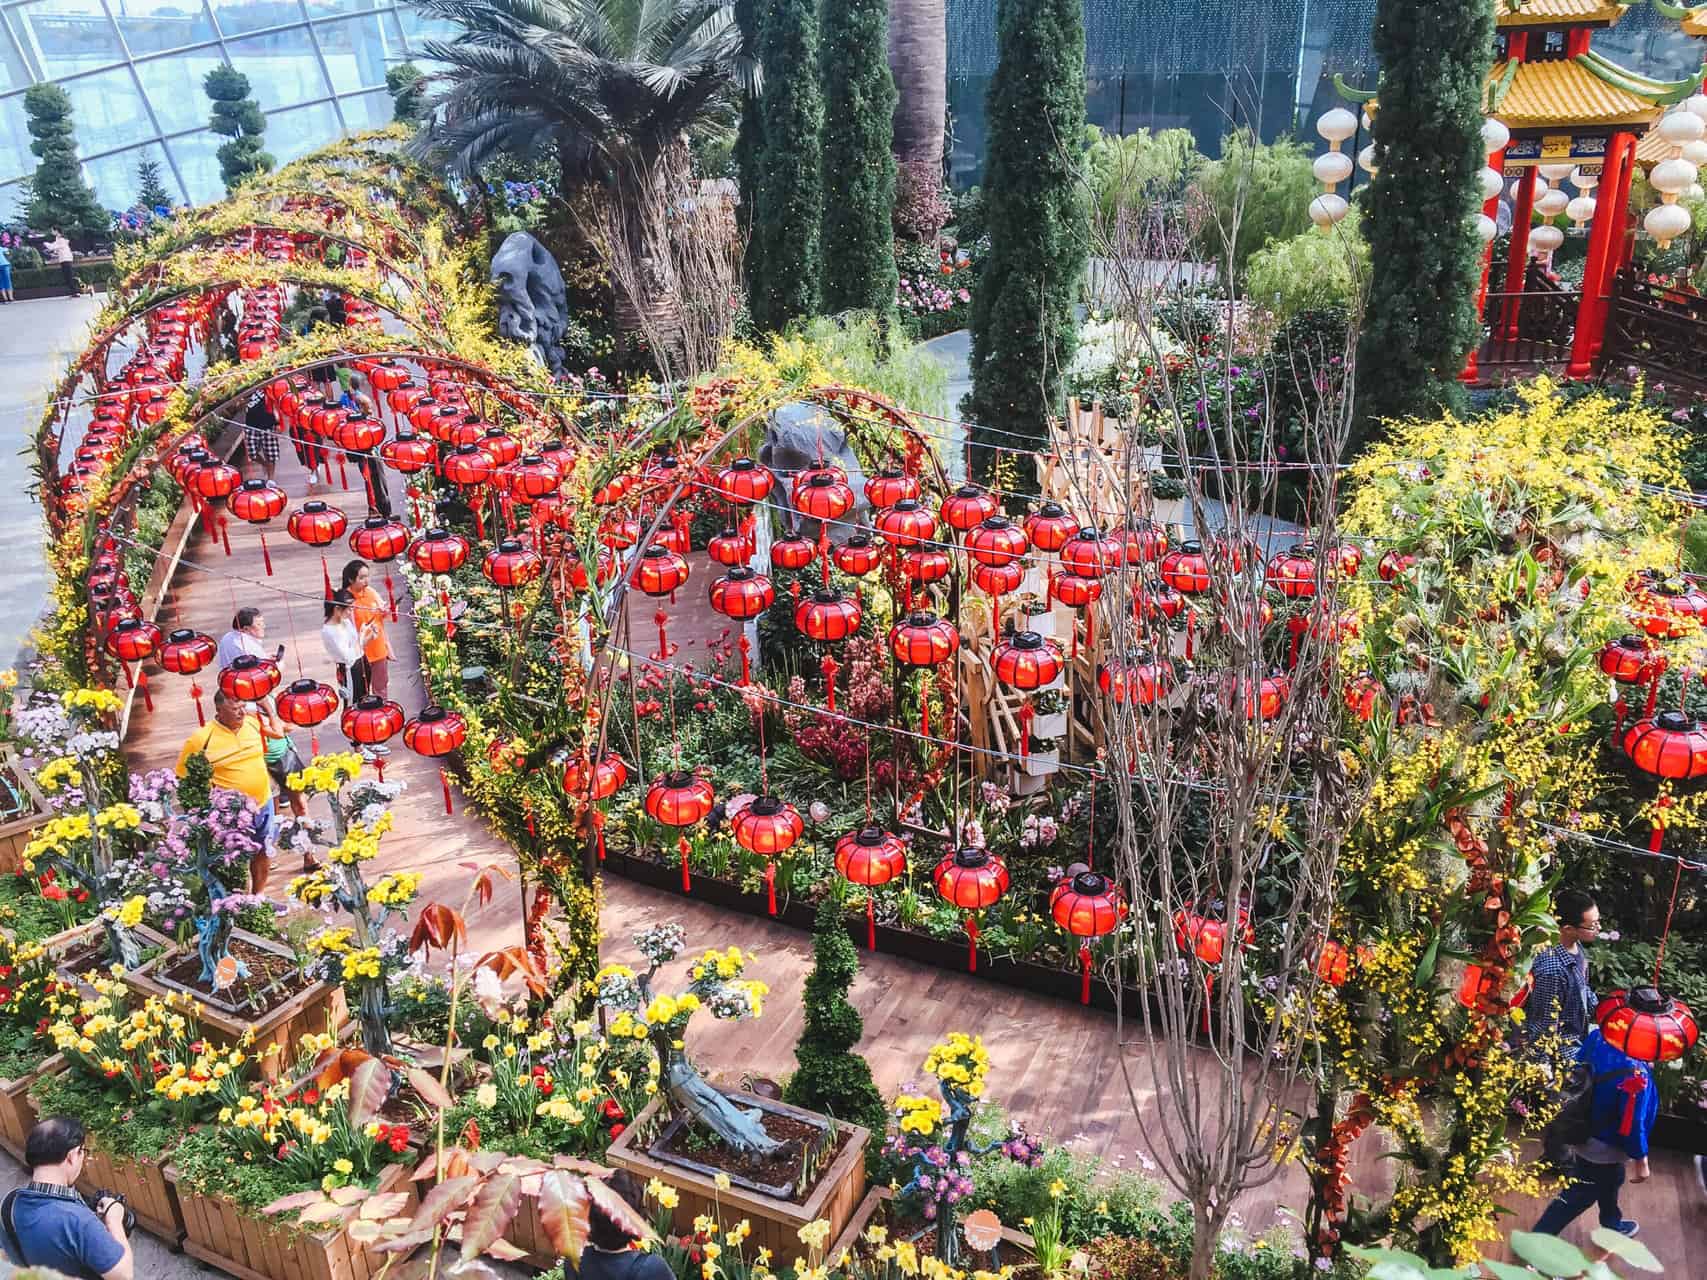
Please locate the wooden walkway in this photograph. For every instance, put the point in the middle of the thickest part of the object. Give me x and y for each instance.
(1054, 1064)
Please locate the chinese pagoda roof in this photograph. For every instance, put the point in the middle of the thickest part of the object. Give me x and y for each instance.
(1577, 92)
(1558, 13)
(1691, 21)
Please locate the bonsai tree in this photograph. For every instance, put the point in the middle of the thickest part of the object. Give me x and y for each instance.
(58, 195)
(237, 116)
(832, 1077)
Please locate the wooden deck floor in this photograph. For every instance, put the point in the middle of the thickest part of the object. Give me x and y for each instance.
(1054, 1064)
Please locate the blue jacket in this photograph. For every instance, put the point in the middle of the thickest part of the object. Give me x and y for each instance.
(1625, 1101)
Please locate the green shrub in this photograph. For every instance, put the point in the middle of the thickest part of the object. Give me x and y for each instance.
(1137, 169)
(833, 1078)
(1257, 192)
(1309, 271)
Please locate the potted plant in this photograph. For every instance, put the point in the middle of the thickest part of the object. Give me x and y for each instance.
(1037, 614)
(1042, 756)
(1049, 714)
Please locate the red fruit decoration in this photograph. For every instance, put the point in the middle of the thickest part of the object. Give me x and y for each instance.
(1145, 680)
(858, 556)
(249, 678)
(1087, 906)
(890, 486)
(1026, 661)
(434, 733)
(870, 857)
(1647, 1024)
(996, 542)
(744, 482)
(823, 494)
(827, 616)
(593, 779)
(742, 594)
(922, 639)
(906, 524)
(967, 507)
(768, 827)
(1293, 571)
(971, 879)
(1050, 526)
(680, 799)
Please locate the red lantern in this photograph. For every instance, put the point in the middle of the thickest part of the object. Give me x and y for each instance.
(316, 524)
(996, 542)
(1394, 565)
(439, 551)
(906, 524)
(1050, 527)
(1186, 569)
(358, 435)
(133, 640)
(858, 556)
(408, 453)
(998, 581)
(923, 640)
(1669, 609)
(379, 539)
(1293, 572)
(215, 480)
(605, 570)
(500, 446)
(1088, 554)
(890, 486)
(257, 501)
(742, 594)
(618, 532)
(306, 703)
(679, 799)
(249, 678)
(971, 879)
(1671, 745)
(187, 652)
(730, 547)
(1647, 1024)
(468, 466)
(1157, 600)
(1631, 659)
(1144, 680)
(372, 720)
(827, 616)
(1026, 661)
(1347, 558)
(1076, 592)
(511, 564)
(1205, 936)
(926, 564)
(1266, 702)
(1143, 541)
(660, 570)
(605, 774)
(793, 552)
(967, 507)
(870, 857)
(614, 490)
(1087, 906)
(823, 494)
(767, 827)
(743, 482)
(435, 732)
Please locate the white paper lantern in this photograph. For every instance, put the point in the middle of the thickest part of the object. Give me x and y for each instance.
(1666, 222)
(1696, 104)
(1545, 238)
(1332, 168)
(1486, 228)
(1336, 125)
(1580, 210)
(1552, 204)
(1695, 152)
(1671, 177)
(1494, 135)
(1679, 127)
(1367, 122)
(1556, 172)
(1492, 183)
(1366, 158)
(1327, 209)
(1584, 181)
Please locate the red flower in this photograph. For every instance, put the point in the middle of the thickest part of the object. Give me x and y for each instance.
(613, 1110)
(311, 1095)
(616, 1131)
(5, 971)
(399, 1139)
(82, 895)
(53, 893)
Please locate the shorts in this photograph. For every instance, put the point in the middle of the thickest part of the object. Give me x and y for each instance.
(261, 444)
(5, 278)
(288, 763)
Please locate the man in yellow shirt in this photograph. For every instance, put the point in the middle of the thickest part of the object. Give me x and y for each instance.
(234, 747)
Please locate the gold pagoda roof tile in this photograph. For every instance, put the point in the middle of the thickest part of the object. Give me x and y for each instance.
(1695, 22)
(1541, 13)
(1564, 93)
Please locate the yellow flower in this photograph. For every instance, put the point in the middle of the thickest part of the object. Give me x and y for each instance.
(815, 1234)
(486, 1096)
(720, 1180)
(343, 1166)
(1057, 1189)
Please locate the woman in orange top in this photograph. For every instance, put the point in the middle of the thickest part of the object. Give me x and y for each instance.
(370, 609)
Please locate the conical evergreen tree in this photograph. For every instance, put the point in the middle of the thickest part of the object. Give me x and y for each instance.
(833, 1078)
(406, 84)
(1420, 211)
(790, 197)
(1023, 322)
(859, 111)
(151, 192)
(749, 146)
(58, 195)
(237, 116)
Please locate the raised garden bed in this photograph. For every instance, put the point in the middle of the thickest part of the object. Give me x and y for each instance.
(22, 809)
(253, 1248)
(144, 1184)
(276, 1001)
(83, 947)
(1016, 1248)
(651, 1148)
(17, 1112)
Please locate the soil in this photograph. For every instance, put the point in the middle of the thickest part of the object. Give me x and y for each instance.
(781, 1170)
(92, 954)
(272, 979)
(1012, 1255)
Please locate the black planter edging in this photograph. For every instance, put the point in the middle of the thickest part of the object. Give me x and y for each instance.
(1681, 1133)
(1059, 984)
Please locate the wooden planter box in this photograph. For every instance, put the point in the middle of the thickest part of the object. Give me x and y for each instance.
(775, 1223)
(320, 1007)
(72, 939)
(144, 1184)
(17, 1112)
(224, 1236)
(18, 832)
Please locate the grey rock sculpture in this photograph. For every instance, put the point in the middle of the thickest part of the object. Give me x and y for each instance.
(802, 437)
(738, 1127)
(533, 303)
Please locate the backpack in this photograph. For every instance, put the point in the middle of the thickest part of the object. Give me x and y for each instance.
(1574, 1125)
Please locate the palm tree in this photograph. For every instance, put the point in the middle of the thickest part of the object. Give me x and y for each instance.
(918, 59)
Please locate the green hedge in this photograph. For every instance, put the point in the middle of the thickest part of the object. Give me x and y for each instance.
(98, 275)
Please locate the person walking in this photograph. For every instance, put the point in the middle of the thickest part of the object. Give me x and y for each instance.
(355, 398)
(57, 251)
(233, 745)
(1623, 1105)
(1561, 1005)
(370, 622)
(47, 1224)
(261, 435)
(247, 636)
(345, 645)
(5, 275)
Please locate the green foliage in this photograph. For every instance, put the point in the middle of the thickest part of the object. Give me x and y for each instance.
(236, 116)
(859, 108)
(1139, 168)
(151, 192)
(205, 1165)
(121, 1128)
(1309, 271)
(833, 1078)
(1537, 1254)
(1022, 314)
(1421, 319)
(1255, 193)
(749, 145)
(966, 214)
(782, 282)
(404, 83)
(909, 376)
(58, 195)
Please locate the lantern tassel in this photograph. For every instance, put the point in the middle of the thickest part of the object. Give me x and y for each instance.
(770, 884)
(1084, 974)
(1190, 633)
(266, 556)
(391, 597)
(379, 766)
(746, 648)
(599, 832)
(124, 666)
(147, 697)
(971, 944)
(870, 920)
(344, 477)
(326, 576)
(1091, 630)
(532, 834)
(313, 737)
(687, 879)
(450, 622)
(829, 668)
(196, 697)
(479, 520)
(225, 534)
(444, 782)
(1653, 697)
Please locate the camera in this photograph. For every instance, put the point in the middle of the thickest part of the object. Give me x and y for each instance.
(100, 1201)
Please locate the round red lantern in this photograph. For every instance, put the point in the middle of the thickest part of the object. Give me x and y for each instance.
(1144, 680)
(511, 564)
(792, 552)
(306, 702)
(1154, 601)
(187, 652)
(1669, 609)
(500, 446)
(1143, 541)
(998, 581)
(858, 556)
(408, 453)
(967, 507)
(1088, 905)
(1074, 591)
(970, 878)
(1205, 936)
(372, 720)
(619, 532)
(996, 542)
(531, 477)
(1090, 555)
(679, 798)
(1671, 745)
(767, 826)
(439, 551)
(823, 494)
(435, 732)
(316, 524)
(358, 435)
(605, 569)
(906, 524)
(1050, 527)
(742, 594)
(890, 486)
(922, 639)
(660, 570)
(1026, 661)
(1186, 569)
(926, 564)
(380, 539)
(744, 482)
(870, 857)
(133, 640)
(730, 547)
(1631, 659)
(249, 678)
(827, 616)
(215, 480)
(257, 501)
(605, 774)
(468, 466)
(1293, 571)
(1647, 1024)
(1265, 702)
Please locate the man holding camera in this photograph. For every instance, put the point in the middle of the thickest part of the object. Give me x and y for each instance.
(47, 1224)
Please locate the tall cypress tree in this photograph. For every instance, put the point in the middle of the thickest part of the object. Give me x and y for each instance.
(1419, 215)
(859, 111)
(790, 196)
(1023, 321)
(749, 145)
(151, 192)
(58, 195)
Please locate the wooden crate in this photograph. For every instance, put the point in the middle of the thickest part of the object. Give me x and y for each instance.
(69, 939)
(775, 1223)
(17, 1112)
(143, 1183)
(17, 833)
(320, 1007)
(252, 1248)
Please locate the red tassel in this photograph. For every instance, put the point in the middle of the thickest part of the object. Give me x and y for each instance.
(313, 737)
(599, 832)
(391, 597)
(1659, 832)
(344, 478)
(770, 884)
(687, 881)
(147, 697)
(746, 661)
(444, 781)
(479, 519)
(665, 648)
(531, 832)
(870, 920)
(129, 683)
(1084, 975)
(196, 697)
(1190, 632)
(1653, 697)
(326, 576)
(266, 556)
(971, 945)
(379, 767)
(450, 622)
(367, 483)
(1091, 630)
(829, 668)
(225, 534)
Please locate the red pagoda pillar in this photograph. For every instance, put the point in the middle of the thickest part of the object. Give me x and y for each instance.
(1591, 313)
(1626, 241)
(1517, 260)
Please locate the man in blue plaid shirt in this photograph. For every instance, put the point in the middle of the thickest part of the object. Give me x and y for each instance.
(1561, 1007)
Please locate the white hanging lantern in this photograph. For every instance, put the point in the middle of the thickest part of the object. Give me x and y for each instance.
(1580, 210)
(1556, 172)
(1337, 125)
(1366, 158)
(1486, 228)
(1666, 222)
(1494, 136)
(1696, 104)
(1584, 181)
(1545, 238)
(1695, 152)
(1332, 168)
(1327, 209)
(1679, 127)
(1671, 178)
(1492, 183)
(1552, 204)
(1364, 116)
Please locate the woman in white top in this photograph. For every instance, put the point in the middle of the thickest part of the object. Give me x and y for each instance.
(344, 642)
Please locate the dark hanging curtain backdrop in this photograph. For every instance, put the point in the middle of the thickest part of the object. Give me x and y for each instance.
(1212, 65)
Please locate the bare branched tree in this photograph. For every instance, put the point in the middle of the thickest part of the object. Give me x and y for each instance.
(1229, 788)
